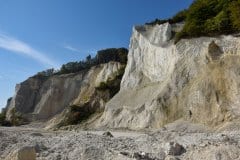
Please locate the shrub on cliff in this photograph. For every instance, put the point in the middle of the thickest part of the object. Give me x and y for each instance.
(157, 21)
(46, 73)
(179, 17)
(16, 118)
(112, 54)
(3, 121)
(234, 8)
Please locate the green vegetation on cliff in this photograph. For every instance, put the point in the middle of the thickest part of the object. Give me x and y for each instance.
(16, 118)
(211, 18)
(103, 56)
(3, 121)
(207, 18)
(179, 17)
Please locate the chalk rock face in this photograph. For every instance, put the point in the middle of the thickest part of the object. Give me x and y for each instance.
(108, 73)
(147, 60)
(41, 98)
(196, 79)
(100, 86)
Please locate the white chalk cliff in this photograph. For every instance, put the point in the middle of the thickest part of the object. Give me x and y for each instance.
(42, 98)
(195, 79)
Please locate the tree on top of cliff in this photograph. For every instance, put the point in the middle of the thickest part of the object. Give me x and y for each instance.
(179, 17)
(112, 54)
(103, 56)
(211, 17)
(207, 18)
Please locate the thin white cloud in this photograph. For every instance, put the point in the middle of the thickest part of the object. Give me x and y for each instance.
(22, 48)
(71, 48)
(84, 51)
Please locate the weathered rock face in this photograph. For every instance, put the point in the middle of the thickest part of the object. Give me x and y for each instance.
(195, 79)
(41, 98)
(88, 106)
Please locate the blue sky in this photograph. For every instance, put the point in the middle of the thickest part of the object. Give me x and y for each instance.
(40, 34)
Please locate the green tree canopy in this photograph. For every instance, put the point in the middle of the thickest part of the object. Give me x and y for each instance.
(207, 18)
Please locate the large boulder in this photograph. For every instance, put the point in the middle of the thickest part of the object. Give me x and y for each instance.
(24, 153)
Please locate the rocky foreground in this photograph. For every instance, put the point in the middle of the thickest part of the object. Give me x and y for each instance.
(180, 140)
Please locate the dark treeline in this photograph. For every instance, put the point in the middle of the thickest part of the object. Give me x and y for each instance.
(179, 17)
(103, 56)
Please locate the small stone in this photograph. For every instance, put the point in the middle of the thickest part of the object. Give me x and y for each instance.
(36, 134)
(176, 149)
(40, 147)
(108, 134)
(142, 156)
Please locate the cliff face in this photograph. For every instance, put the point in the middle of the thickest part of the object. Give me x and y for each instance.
(196, 79)
(41, 98)
(100, 86)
